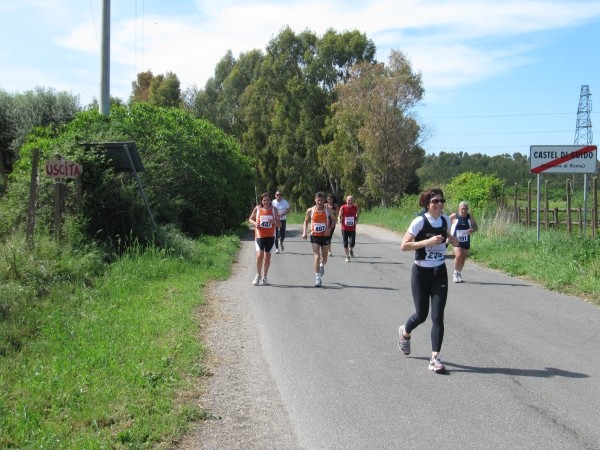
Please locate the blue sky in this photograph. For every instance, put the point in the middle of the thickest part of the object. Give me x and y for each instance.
(499, 75)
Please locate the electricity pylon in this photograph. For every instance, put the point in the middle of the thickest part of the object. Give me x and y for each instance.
(583, 127)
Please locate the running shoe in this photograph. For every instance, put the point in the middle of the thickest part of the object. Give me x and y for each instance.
(321, 269)
(256, 280)
(265, 282)
(352, 253)
(435, 364)
(318, 282)
(403, 343)
(347, 259)
(455, 278)
(459, 275)
(330, 254)
(276, 250)
(281, 245)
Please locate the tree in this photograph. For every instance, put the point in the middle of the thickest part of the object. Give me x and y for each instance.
(21, 112)
(287, 105)
(277, 102)
(374, 128)
(160, 90)
(141, 87)
(440, 169)
(219, 101)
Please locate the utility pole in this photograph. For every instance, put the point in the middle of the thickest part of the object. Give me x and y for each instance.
(105, 60)
(583, 136)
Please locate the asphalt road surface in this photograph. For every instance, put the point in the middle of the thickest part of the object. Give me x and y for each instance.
(523, 362)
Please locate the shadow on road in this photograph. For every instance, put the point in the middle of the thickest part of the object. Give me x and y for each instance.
(547, 372)
(331, 286)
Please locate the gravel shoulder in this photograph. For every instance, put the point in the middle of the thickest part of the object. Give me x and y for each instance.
(243, 405)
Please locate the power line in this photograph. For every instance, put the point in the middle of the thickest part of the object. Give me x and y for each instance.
(499, 115)
(94, 22)
(505, 132)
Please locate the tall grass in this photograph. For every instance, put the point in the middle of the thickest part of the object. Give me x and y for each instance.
(104, 363)
(559, 261)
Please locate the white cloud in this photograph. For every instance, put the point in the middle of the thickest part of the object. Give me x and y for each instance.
(452, 42)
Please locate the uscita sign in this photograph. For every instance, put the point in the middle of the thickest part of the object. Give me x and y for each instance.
(60, 168)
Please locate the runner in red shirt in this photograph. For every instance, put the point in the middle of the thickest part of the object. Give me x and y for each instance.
(348, 217)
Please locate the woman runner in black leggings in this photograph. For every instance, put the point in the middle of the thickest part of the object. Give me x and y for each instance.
(427, 236)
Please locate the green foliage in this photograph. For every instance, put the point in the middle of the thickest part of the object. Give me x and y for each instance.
(277, 103)
(103, 356)
(559, 261)
(21, 112)
(437, 170)
(28, 276)
(160, 90)
(482, 192)
(195, 176)
(373, 128)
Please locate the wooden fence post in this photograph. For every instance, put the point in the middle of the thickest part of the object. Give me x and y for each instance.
(59, 202)
(546, 203)
(595, 206)
(516, 205)
(528, 219)
(569, 226)
(33, 194)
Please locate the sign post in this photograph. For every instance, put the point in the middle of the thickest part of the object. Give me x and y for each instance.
(58, 169)
(562, 159)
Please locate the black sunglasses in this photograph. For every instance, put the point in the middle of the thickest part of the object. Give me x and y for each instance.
(435, 201)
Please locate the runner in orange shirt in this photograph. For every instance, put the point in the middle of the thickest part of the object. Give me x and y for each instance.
(320, 234)
(265, 219)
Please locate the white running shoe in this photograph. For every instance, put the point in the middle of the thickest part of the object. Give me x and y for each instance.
(321, 269)
(318, 282)
(265, 282)
(403, 343)
(330, 254)
(435, 365)
(276, 250)
(347, 259)
(455, 278)
(256, 280)
(459, 275)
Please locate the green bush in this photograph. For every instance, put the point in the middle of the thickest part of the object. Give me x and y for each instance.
(195, 177)
(481, 191)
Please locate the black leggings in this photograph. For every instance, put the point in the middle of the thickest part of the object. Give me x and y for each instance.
(349, 238)
(429, 283)
(280, 234)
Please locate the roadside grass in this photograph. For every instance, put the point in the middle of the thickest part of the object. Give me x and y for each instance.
(105, 362)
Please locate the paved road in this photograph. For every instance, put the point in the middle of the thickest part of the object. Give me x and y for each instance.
(524, 363)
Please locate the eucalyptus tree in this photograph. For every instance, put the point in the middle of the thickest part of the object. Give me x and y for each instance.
(219, 101)
(287, 104)
(157, 90)
(374, 132)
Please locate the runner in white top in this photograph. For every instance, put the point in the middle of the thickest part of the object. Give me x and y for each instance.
(283, 207)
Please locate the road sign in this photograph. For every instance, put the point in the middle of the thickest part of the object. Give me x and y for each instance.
(62, 168)
(563, 159)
